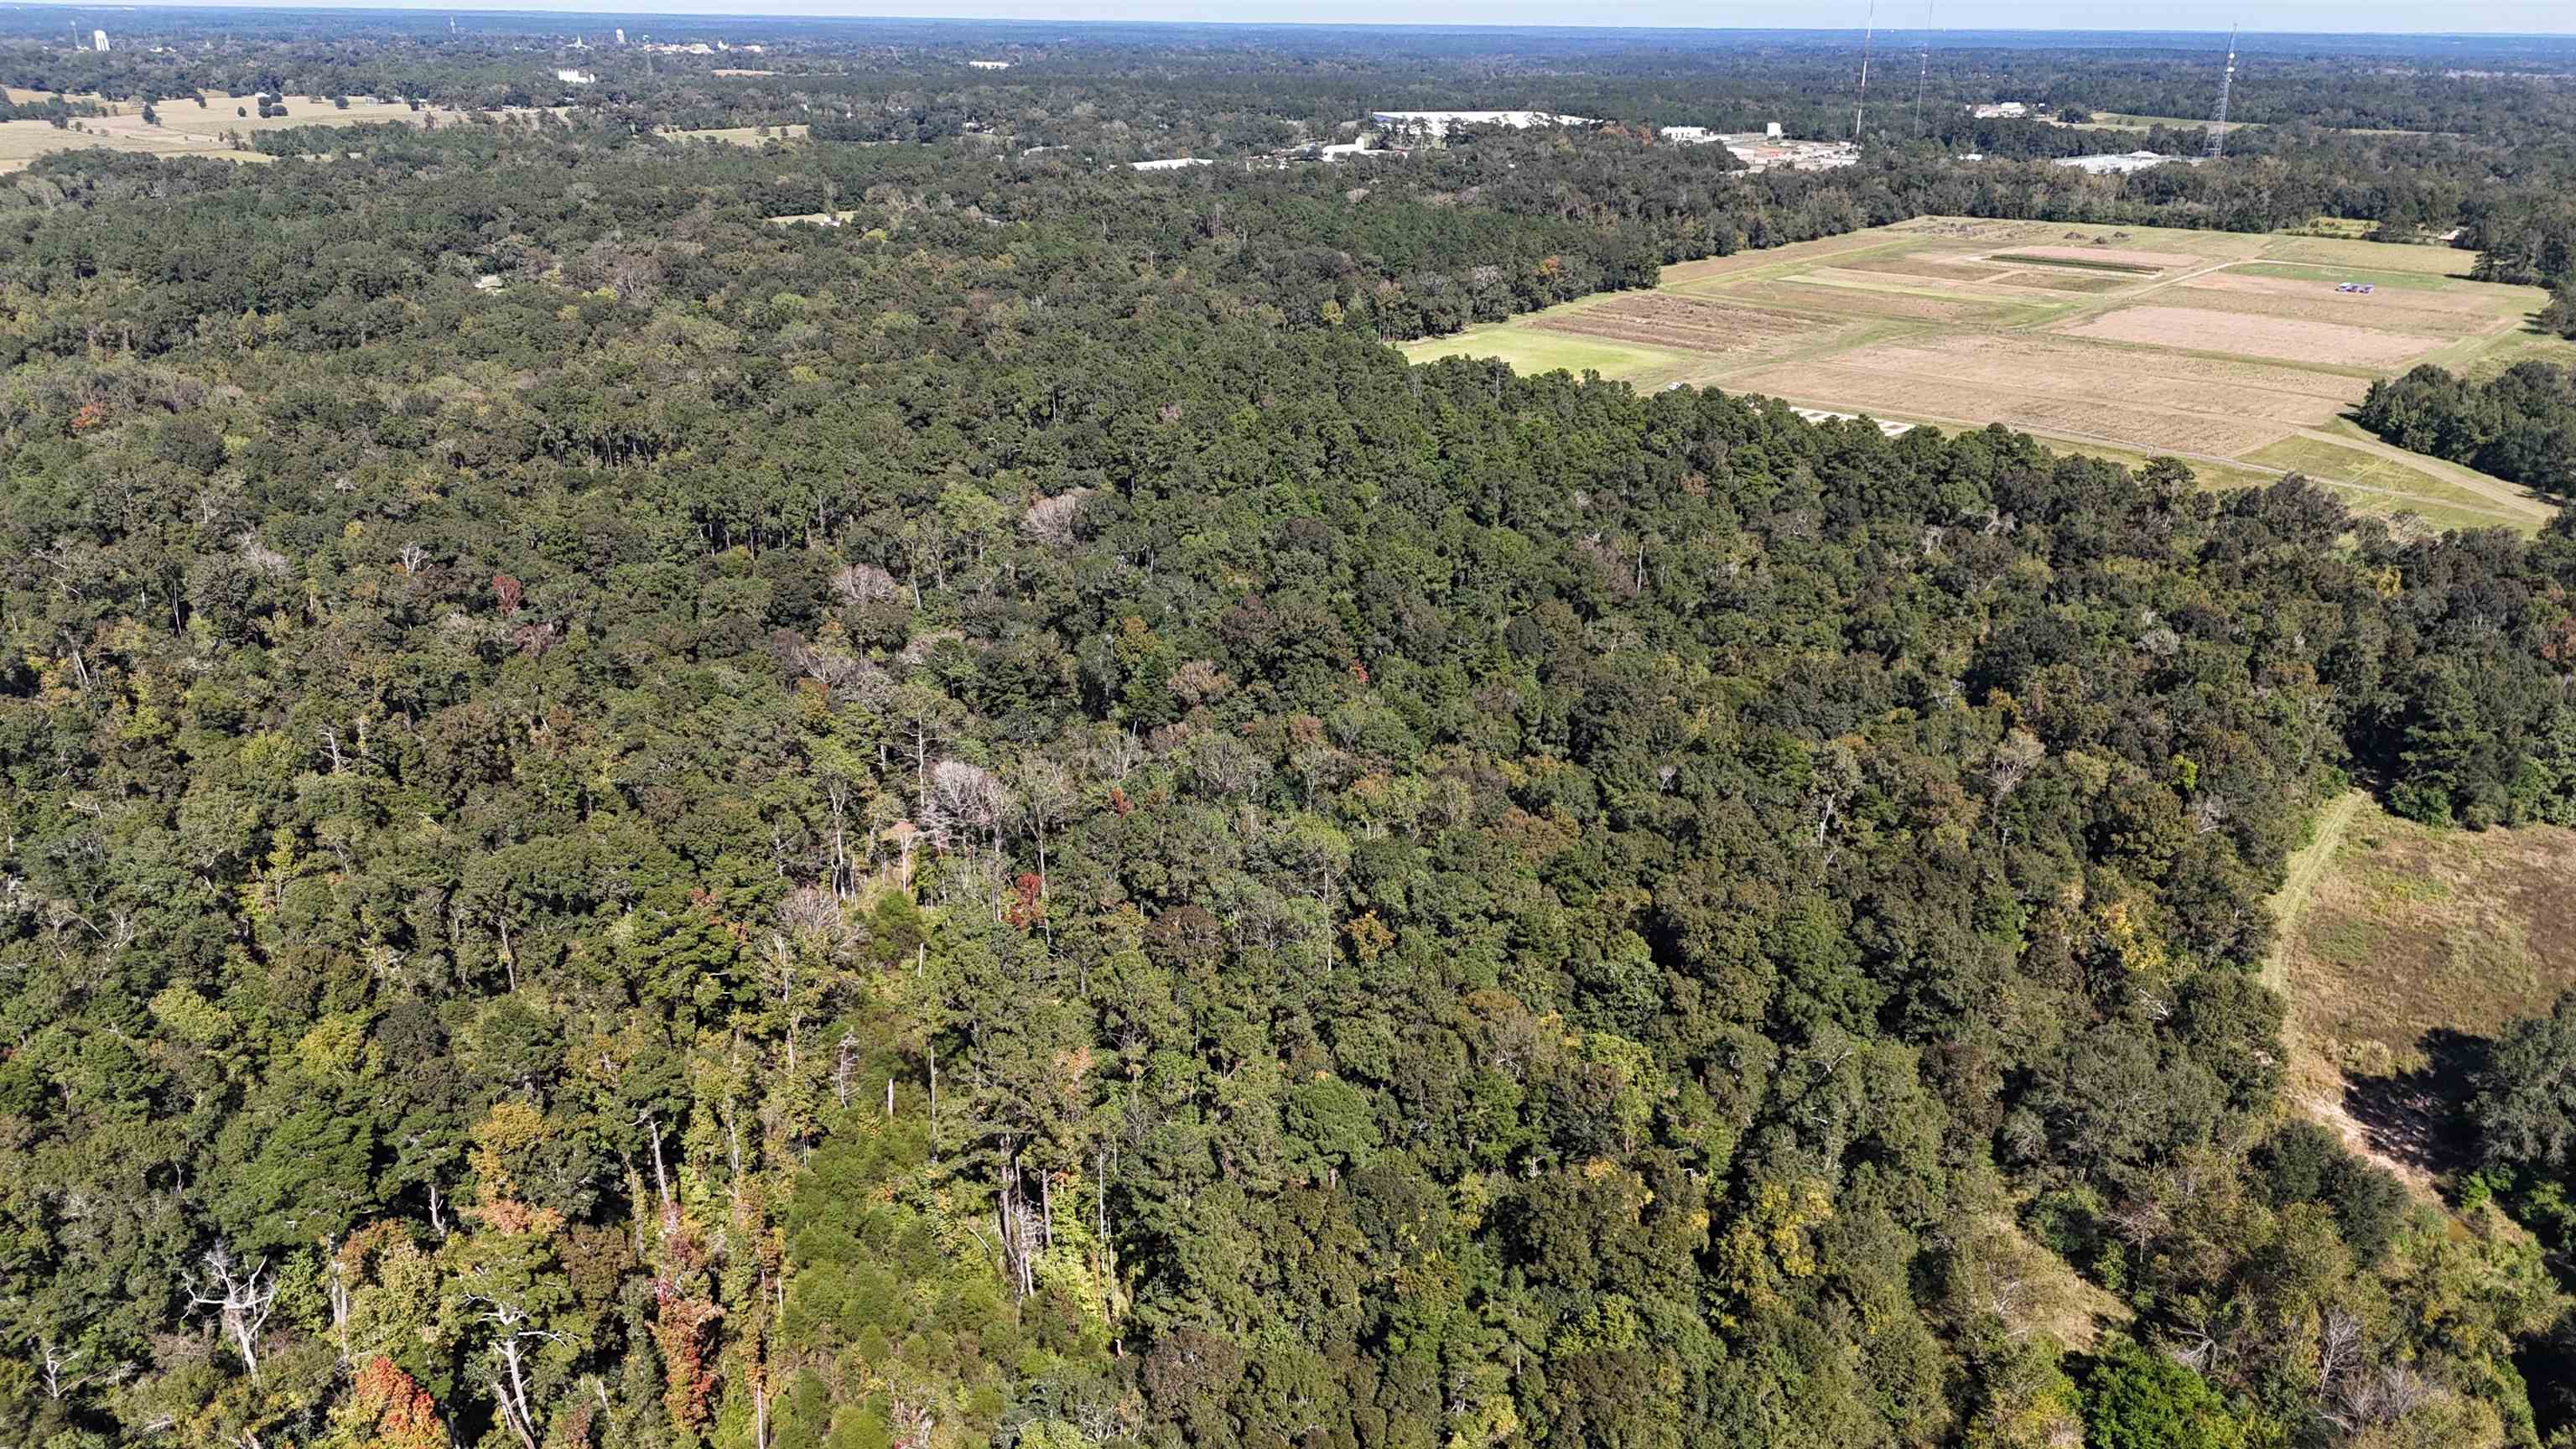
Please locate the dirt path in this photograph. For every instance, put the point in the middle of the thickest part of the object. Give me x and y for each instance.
(2315, 1086)
(2299, 885)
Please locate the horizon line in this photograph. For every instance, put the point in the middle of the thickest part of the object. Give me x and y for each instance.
(482, 7)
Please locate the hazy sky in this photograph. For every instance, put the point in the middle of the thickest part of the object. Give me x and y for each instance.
(2550, 17)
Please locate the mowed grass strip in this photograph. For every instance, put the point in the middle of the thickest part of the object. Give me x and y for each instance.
(2334, 463)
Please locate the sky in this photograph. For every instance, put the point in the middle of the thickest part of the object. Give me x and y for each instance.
(2543, 17)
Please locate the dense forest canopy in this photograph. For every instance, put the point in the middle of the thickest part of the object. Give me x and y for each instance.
(626, 825)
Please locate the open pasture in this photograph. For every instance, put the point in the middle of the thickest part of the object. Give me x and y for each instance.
(182, 127)
(2233, 352)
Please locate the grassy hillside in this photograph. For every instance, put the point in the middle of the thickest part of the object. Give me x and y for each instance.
(2403, 948)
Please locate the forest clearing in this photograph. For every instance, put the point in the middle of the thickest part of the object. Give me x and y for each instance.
(2234, 352)
(2403, 949)
(185, 128)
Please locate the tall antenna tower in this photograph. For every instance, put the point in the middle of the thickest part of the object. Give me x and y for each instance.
(1925, 74)
(2226, 83)
(1863, 104)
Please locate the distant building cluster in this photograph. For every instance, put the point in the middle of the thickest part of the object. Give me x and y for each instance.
(990, 64)
(1825, 415)
(1400, 133)
(2000, 111)
(1765, 149)
(573, 77)
(1433, 127)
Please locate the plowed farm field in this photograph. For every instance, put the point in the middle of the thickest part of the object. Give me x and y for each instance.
(2232, 352)
(1662, 319)
(2206, 330)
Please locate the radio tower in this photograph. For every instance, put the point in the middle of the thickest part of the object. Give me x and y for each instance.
(2227, 82)
(1921, 77)
(1863, 104)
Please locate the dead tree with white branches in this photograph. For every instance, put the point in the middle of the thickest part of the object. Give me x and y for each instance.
(515, 1340)
(242, 1298)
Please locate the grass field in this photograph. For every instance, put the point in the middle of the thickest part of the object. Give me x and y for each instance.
(2122, 121)
(741, 135)
(2233, 352)
(2400, 946)
(187, 129)
(1529, 349)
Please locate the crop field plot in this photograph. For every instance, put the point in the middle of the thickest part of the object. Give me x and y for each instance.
(2461, 309)
(2233, 352)
(2108, 259)
(1821, 293)
(2366, 256)
(1899, 394)
(1684, 323)
(2202, 329)
(1789, 258)
(2066, 280)
(1947, 269)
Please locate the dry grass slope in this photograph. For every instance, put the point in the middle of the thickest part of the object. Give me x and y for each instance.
(2401, 947)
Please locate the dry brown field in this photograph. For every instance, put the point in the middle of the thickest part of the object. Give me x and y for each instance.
(2231, 351)
(1922, 395)
(2331, 343)
(1948, 269)
(1852, 301)
(1682, 273)
(2047, 280)
(2112, 256)
(2466, 300)
(2049, 366)
(2433, 314)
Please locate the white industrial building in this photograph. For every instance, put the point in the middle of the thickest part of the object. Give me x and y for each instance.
(1173, 163)
(990, 64)
(575, 77)
(2122, 165)
(1702, 135)
(98, 40)
(2000, 111)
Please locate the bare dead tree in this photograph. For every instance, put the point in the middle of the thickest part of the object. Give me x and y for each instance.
(57, 1366)
(243, 1299)
(515, 1339)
